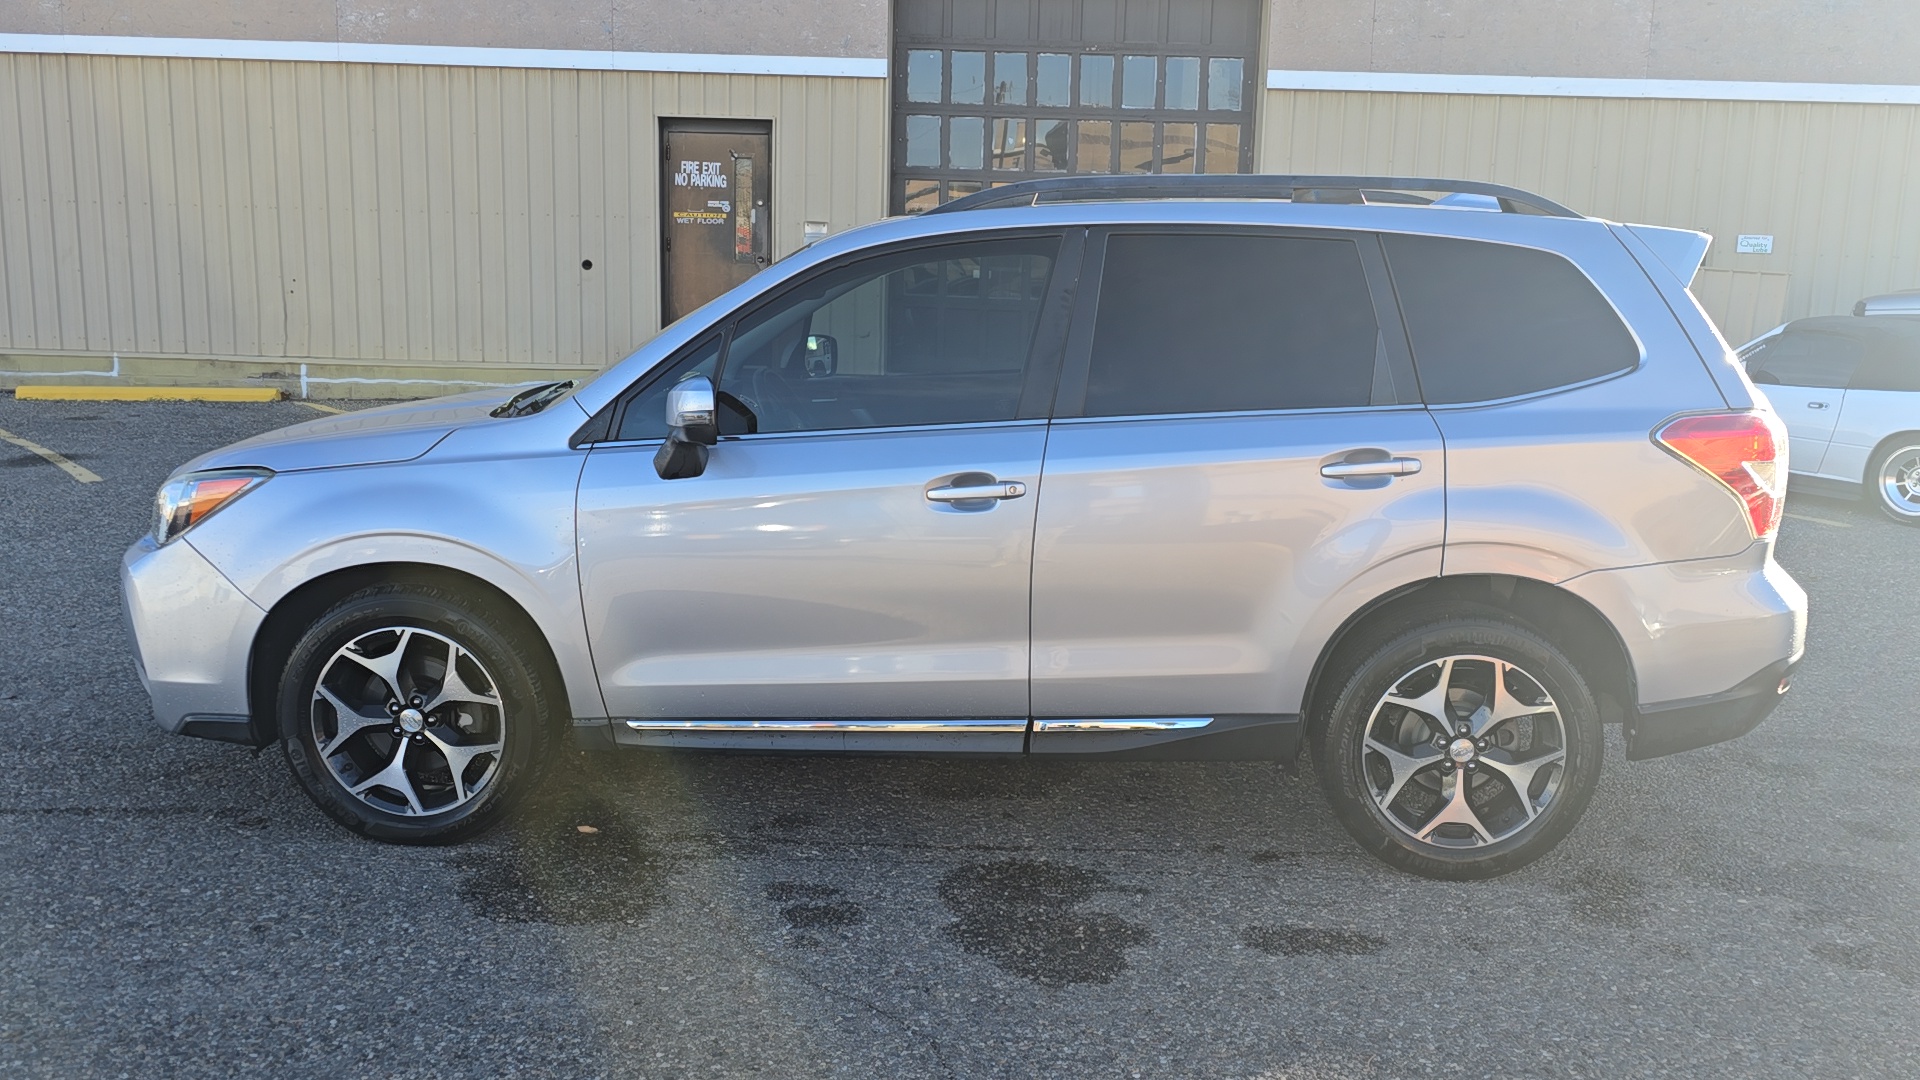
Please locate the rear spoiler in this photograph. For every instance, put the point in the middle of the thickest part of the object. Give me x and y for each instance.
(1681, 250)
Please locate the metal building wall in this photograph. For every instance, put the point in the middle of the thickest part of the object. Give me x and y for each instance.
(375, 213)
(1830, 182)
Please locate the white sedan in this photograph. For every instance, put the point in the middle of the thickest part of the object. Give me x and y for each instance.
(1848, 389)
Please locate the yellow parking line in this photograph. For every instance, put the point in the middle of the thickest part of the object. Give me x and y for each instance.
(78, 472)
(1821, 520)
(147, 393)
(322, 408)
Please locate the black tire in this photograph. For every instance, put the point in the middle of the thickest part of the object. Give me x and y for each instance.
(1892, 482)
(438, 809)
(1356, 778)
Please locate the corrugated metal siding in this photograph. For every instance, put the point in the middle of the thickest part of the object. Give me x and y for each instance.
(248, 209)
(1745, 303)
(1833, 184)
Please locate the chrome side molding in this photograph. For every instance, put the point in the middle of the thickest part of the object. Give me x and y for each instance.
(1180, 723)
(988, 726)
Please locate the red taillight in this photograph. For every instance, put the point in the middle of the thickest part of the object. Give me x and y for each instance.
(1745, 451)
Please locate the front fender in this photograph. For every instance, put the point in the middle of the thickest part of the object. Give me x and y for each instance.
(506, 521)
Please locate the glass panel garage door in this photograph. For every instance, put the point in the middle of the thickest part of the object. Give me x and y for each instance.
(986, 92)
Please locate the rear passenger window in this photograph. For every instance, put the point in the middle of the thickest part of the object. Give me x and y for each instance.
(1489, 321)
(1222, 323)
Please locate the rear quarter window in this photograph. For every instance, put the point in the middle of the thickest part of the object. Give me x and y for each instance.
(1892, 359)
(1490, 321)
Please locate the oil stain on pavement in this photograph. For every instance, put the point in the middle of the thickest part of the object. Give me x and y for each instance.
(1024, 916)
(814, 907)
(545, 868)
(1866, 958)
(1603, 897)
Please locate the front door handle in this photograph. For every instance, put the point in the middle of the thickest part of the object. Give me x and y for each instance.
(1816, 404)
(1351, 470)
(999, 489)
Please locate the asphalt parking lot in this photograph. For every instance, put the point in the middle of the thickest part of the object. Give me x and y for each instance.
(175, 907)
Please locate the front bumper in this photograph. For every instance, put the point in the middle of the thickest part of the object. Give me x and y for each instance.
(192, 631)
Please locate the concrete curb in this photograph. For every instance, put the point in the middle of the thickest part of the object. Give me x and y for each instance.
(147, 393)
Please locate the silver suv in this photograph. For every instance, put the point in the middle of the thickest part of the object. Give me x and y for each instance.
(1429, 478)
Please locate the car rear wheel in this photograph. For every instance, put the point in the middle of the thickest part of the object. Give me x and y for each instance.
(1894, 481)
(1466, 747)
(411, 714)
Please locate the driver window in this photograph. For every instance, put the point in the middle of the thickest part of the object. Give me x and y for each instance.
(935, 336)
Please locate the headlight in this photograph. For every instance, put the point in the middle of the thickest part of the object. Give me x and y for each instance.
(188, 500)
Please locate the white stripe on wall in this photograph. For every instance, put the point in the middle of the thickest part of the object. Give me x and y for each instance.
(860, 67)
(856, 67)
(1554, 86)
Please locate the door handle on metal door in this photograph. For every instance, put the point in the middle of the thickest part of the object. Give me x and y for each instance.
(1350, 470)
(1816, 404)
(999, 489)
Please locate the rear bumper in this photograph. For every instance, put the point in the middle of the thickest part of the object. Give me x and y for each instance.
(1710, 640)
(1674, 726)
(192, 631)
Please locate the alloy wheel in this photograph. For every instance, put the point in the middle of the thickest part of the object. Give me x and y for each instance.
(1900, 481)
(408, 721)
(1464, 752)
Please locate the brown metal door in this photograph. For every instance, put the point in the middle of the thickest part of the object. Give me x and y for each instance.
(715, 185)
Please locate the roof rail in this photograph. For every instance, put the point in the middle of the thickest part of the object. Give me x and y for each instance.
(1300, 189)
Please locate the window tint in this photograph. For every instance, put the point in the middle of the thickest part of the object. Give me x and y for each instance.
(1218, 323)
(645, 416)
(936, 336)
(1803, 359)
(1893, 358)
(1491, 321)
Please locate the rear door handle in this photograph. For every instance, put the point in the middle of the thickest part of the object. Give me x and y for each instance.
(1816, 404)
(999, 489)
(1349, 470)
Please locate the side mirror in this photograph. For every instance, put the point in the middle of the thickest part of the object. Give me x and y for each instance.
(823, 356)
(692, 428)
(691, 410)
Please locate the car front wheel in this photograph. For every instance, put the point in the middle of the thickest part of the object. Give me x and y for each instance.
(1466, 747)
(411, 715)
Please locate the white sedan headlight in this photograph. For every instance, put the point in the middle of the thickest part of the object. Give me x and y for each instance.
(188, 500)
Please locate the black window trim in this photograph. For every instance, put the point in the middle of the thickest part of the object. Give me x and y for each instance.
(956, 425)
(1072, 396)
(719, 334)
(1044, 355)
(1640, 359)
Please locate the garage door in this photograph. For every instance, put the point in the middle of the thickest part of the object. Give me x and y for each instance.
(987, 92)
